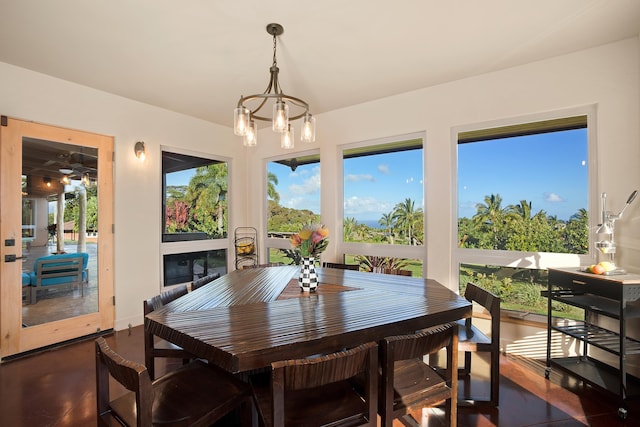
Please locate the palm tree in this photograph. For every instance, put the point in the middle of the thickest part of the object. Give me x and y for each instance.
(490, 212)
(272, 182)
(405, 216)
(349, 228)
(387, 222)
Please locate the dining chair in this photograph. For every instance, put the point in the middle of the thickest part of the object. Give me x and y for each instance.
(196, 394)
(341, 266)
(473, 339)
(270, 264)
(157, 347)
(397, 271)
(198, 283)
(408, 383)
(318, 391)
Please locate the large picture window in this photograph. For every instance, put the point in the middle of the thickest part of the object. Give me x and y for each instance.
(383, 221)
(522, 205)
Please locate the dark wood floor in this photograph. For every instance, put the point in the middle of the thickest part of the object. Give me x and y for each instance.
(57, 388)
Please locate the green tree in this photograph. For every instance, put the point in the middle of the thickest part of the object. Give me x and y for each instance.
(387, 221)
(349, 229)
(576, 233)
(490, 216)
(272, 192)
(206, 197)
(405, 216)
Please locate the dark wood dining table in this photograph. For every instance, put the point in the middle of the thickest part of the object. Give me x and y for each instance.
(249, 318)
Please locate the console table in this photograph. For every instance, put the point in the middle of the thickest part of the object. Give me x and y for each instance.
(598, 295)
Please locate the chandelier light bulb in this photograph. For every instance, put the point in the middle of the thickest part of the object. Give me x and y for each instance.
(280, 116)
(308, 129)
(286, 140)
(240, 120)
(251, 136)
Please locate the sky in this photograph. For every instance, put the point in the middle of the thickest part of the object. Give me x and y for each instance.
(549, 170)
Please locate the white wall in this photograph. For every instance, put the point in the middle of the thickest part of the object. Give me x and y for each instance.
(607, 76)
(37, 97)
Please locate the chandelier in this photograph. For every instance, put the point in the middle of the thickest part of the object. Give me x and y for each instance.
(244, 118)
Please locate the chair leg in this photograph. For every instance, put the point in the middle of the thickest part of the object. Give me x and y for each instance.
(467, 362)
(495, 378)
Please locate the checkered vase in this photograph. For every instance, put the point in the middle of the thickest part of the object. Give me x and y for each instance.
(308, 278)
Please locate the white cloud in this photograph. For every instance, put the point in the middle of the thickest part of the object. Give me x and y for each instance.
(360, 206)
(360, 177)
(553, 198)
(384, 169)
(310, 185)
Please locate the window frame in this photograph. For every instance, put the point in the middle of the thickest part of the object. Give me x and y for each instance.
(277, 242)
(376, 249)
(189, 246)
(537, 260)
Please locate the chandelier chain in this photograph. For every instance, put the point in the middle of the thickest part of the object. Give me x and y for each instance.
(275, 61)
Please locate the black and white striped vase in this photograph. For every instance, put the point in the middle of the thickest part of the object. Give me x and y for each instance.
(308, 279)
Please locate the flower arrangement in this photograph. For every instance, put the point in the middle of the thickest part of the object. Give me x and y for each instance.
(311, 240)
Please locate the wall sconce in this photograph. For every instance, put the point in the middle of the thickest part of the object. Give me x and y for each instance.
(141, 152)
(47, 181)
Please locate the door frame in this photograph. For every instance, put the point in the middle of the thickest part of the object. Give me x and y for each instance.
(14, 338)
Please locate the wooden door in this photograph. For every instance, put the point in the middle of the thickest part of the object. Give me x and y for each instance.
(26, 182)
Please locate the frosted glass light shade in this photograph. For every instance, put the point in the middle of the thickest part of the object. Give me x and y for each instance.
(308, 129)
(240, 120)
(286, 139)
(280, 120)
(250, 138)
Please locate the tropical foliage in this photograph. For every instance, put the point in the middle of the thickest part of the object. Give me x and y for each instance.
(517, 228)
(200, 206)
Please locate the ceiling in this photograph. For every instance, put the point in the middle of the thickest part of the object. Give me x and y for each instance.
(197, 57)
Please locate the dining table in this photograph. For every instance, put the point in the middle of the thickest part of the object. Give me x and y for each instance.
(249, 318)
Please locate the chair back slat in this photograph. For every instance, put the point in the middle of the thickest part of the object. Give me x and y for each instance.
(308, 373)
(416, 345)
(341, 266)
(483, 297)
(159, 301)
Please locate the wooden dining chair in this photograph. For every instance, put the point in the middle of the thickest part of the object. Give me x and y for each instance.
(269, 264)
(198, 283)
(341, 266)
(318, 391)
(408, 383)
(397, 271)
(473, 339)
(196, 394)
(157, 347)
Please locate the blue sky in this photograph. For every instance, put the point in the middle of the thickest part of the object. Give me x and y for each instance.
(373, 185)
(549, 170)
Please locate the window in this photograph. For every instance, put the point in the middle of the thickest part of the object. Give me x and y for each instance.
(28, 218)
(195, 216)
(293, 200)
(522, 205)
(194, 197)
(383, 194)
(383, 204)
